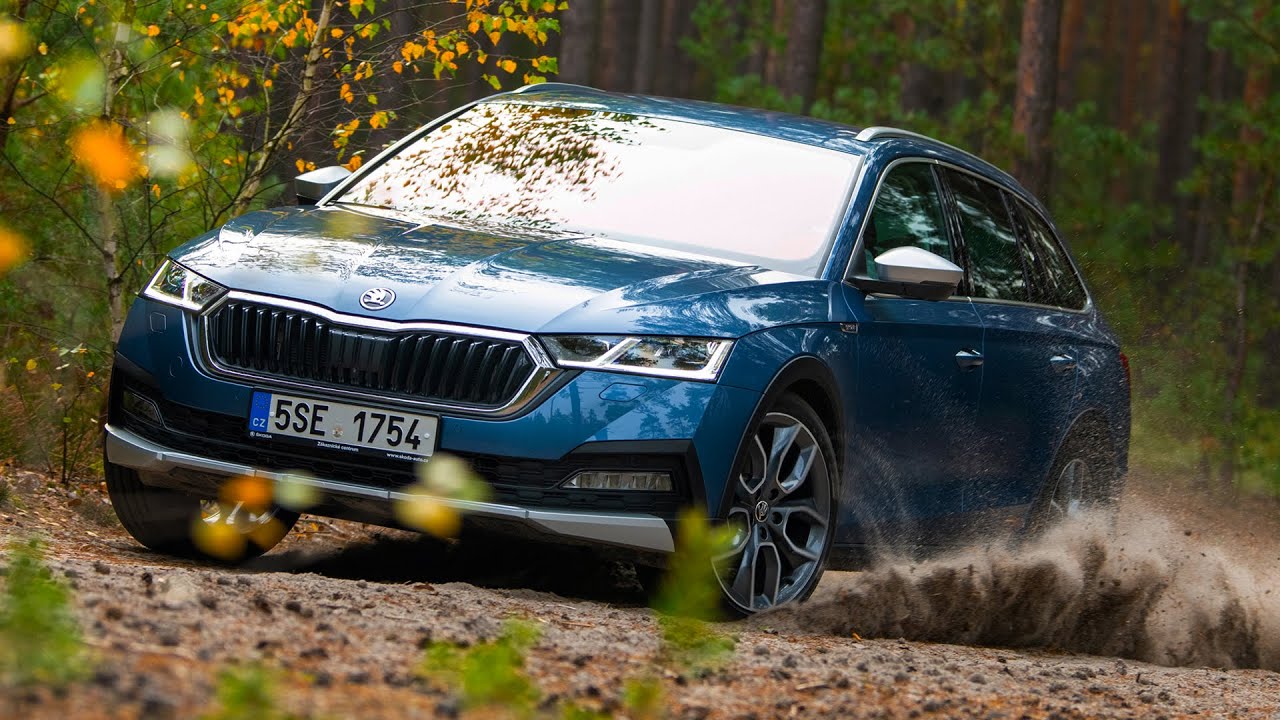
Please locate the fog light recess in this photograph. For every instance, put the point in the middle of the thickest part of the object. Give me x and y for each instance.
(141, 407)
(620, 480)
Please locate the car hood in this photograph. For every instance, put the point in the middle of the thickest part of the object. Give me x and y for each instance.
(484, 277)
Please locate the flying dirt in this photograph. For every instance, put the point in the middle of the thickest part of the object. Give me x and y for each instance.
(1138, 588)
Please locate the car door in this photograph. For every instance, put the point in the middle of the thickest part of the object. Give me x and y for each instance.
(1029, 353)
(919, 377)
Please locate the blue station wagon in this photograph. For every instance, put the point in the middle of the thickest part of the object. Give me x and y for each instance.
(615, 307)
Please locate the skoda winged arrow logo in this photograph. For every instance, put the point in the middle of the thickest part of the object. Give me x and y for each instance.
(377, 298)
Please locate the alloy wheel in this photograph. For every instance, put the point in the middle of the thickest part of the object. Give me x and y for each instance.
(213, 513)
(780, 516)
(1069, 497)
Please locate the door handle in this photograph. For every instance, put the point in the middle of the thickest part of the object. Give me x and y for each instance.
(968, 359)
(1063, 363)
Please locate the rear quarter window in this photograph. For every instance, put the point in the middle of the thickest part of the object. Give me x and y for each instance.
(995, 263)
(1056, 282)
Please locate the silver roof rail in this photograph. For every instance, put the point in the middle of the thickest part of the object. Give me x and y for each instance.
(879, 131)
(542, 87)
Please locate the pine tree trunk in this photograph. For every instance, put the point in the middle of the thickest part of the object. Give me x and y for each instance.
(912, 76)
(671, 68)
(578, 33)
(647, 45)
(775, 55)
(1172, 104)
(1195, 62)
(1035, 103)
(1069, 51)
(618, 44)
(804, 49)
(751, 21)
(1131, 69)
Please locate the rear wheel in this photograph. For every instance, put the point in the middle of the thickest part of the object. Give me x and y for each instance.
(166, 520)
(782, 510)
(1083, 480)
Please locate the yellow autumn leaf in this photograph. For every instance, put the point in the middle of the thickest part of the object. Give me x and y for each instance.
(153, 30)
(31, 364)
(15, 43)
(398, 67)
(218, 539)
(427, 512)
(462, 47)
(251, 492)
(508, 65)
(495, 36)
(13, 251)
(102, 150)
(354, 163)
(336, 32)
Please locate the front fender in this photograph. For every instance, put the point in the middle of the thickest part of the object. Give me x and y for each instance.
(817, 362)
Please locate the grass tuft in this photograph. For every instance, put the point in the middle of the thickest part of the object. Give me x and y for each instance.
(246, 693)
(489, 674)
(689, 597)
(40, 642)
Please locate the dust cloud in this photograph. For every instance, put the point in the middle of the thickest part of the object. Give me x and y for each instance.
(1140, 588)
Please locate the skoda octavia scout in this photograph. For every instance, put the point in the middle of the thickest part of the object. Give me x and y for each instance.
(616, 307)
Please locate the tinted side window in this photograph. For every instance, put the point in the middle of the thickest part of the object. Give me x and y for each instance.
(995, 266)
(908, 211)
(1056, 282)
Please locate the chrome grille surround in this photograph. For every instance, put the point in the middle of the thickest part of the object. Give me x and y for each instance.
(364, 333)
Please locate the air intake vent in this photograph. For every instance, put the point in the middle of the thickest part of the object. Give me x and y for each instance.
(260, 340)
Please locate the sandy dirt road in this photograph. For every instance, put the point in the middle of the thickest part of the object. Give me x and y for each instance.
(341, 612)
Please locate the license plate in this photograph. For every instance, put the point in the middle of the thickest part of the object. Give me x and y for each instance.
(343, 426)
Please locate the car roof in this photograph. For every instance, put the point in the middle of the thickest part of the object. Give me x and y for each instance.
(784, 126)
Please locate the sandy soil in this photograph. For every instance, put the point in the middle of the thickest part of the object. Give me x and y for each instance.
(342, 612)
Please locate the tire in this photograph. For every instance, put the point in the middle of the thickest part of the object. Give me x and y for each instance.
(1083, 480)
(163, 520)
(783, 511)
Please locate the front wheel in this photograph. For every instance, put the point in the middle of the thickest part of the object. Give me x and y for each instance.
(177, 524)
(782, 510)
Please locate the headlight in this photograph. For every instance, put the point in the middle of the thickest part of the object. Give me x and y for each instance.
(675, 357)
(179, 286)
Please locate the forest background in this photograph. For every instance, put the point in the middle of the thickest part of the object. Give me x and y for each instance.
(1151, 128)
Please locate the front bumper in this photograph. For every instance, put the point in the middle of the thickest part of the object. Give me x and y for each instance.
(164, 467)
(584, 420)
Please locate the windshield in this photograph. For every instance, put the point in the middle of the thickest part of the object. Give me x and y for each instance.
(689, 187)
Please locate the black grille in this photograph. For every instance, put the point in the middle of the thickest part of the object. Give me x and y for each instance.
(282, 343)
